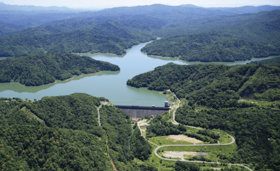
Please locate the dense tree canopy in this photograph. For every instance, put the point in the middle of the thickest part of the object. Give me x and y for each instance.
(213, 85)
(30, 147)
(35, 70)
(208, 47)
(261, 28)
(160, 126)
(141, 149)
(107, 37)
(63, 133)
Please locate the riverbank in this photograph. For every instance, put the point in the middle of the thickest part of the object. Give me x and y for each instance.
(111, 85)
(215, 62)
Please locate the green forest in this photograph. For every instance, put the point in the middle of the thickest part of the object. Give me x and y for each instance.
(242, 100)
(39, 69)
(107, 37)
(260, 28)
(211, 85)
(62, 133)
(209, 47)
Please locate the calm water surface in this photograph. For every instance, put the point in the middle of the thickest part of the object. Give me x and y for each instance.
(111, 85)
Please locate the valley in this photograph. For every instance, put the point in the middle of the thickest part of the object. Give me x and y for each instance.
(65, 73)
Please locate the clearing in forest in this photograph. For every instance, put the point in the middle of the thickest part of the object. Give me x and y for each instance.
(176, 138)
(178, 154)
(143, 122)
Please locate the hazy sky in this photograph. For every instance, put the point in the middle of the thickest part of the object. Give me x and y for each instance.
(116, 3)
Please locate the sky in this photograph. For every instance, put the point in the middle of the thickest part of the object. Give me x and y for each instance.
(117, 3)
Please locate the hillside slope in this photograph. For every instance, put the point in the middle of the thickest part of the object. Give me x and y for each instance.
(105, 37)
(209, 47)
(63, 133)
(242, 100)
(214, 86)
(35, 70)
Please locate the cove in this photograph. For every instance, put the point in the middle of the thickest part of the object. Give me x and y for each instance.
(111, 85)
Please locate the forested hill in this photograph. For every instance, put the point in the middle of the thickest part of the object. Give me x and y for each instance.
(209, 47)
(39, 69)
(211, 98)
(261, 28)
(114, 30)
(33, 16)
(105, 37)
(62, 133)
(207, 84)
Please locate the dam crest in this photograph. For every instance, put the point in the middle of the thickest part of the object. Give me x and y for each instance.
(142, 111)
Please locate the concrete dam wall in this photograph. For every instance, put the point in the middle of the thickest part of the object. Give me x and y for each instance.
(142, 111)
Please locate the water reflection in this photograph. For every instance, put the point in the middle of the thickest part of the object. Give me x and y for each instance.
(111, 85)
(102, 54)
(19, 88)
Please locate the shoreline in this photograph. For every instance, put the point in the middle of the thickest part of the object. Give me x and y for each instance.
(69, 79)
(178, 59)
(99, 53)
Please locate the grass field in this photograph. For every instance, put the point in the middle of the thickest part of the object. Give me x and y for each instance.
(213, 151)
(162, 140)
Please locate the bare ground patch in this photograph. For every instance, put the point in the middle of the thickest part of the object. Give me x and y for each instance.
(143, 122)
(142, 126)
(176, 138)
(178, 154)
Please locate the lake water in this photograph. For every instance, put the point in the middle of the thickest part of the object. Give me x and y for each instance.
(111, 85)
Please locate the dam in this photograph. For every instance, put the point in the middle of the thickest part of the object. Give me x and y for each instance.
(142, 111)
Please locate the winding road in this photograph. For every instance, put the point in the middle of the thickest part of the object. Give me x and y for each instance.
(174, 145)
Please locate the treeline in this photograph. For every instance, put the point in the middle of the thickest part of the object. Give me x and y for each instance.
(62, 133)
(204, 135)
(208, 47)
(107, 37)
(160, 126)
(39, 69)
(209, 133)
(201, 137)
(214, 86)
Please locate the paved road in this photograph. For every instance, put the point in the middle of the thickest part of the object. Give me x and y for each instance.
(174, 145)
(102, 103)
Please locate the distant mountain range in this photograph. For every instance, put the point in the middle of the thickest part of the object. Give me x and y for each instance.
(4, 6)
(113, 30)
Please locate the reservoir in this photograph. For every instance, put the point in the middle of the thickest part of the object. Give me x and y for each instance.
(111, 85)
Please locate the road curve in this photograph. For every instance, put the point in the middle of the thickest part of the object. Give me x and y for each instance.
(191, 161)
(174, 145)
